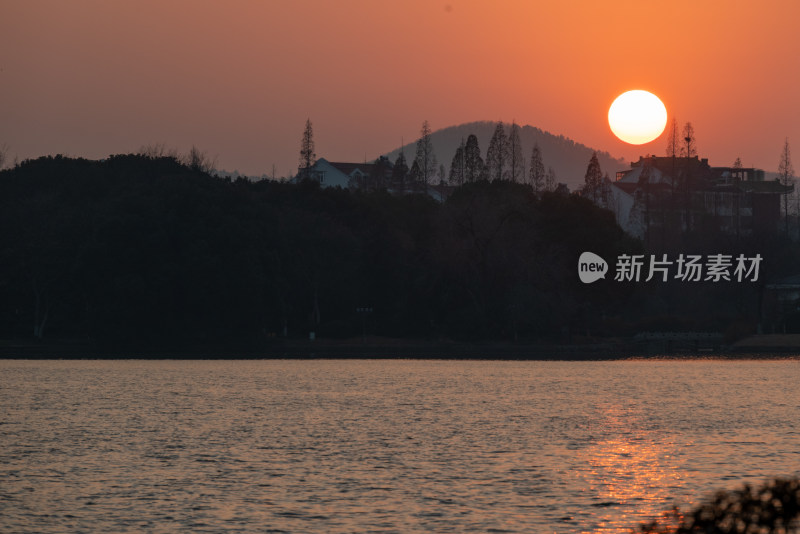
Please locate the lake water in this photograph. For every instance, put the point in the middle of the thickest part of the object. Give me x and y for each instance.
(383, 446)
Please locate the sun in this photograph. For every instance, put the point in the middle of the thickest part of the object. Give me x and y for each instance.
(637, 117)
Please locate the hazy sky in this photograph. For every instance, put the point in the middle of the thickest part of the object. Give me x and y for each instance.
(239, 78)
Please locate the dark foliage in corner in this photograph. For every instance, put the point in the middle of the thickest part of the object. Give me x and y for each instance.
(772, 508)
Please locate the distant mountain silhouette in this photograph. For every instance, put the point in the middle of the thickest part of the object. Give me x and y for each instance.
(568, 158)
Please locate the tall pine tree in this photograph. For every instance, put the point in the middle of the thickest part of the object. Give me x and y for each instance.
(458, 166)
(415, 176)
(673, 140)
(688, 151)
(307, 155)
(593, 180)
(399, 172)
(497, 154)
(673, 151)
(536, 176)
(426, 159)
(689, 148)
(550, 183)
(786, 177)
(516, 171)
(473, 162)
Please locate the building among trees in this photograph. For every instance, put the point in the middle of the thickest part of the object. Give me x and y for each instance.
(686, 193)
(381, 174)
(340, 174)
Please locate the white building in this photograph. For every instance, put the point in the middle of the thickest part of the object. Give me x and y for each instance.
(333, 174)
(624, 197)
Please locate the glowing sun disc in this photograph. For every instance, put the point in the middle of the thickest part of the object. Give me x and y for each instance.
(637, 117)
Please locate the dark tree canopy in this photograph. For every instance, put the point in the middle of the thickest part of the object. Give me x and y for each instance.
(773, 507)
(138, 250)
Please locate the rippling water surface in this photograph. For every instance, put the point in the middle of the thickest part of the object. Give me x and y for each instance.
(383, 446)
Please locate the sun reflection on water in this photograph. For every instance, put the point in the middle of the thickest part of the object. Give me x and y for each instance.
(632, 474)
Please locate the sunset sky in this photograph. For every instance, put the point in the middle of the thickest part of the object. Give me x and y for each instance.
(239, 79)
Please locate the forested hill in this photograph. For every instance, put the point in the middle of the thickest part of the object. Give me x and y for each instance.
(568, 158)
(141, 251)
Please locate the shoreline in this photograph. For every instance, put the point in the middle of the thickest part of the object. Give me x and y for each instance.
(754, 347)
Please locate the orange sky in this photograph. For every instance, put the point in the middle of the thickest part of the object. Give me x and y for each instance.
(239, 78)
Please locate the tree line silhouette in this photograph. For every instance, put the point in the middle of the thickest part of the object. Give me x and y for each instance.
(504, 161)
(146, 249)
